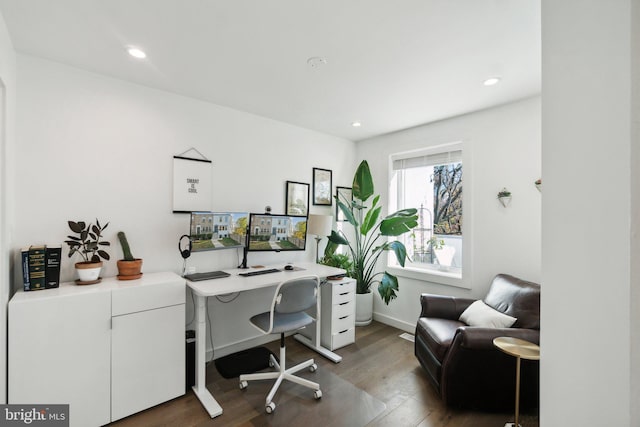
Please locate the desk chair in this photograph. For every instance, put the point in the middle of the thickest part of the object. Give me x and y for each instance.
(287, 314)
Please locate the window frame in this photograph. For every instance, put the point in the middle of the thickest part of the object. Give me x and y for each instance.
(461, 278)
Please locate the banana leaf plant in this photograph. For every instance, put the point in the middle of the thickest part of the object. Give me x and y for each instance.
(371, 236)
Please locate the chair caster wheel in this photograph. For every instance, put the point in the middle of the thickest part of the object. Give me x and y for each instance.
(313, 367)
(270, 408)
(317, 394)
(243, 385)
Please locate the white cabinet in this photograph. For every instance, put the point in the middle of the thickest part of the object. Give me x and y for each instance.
(60, 351)
(108, 350)
(338, 313)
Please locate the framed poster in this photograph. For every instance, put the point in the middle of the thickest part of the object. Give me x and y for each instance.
(344, 195)
(322, 187)
(297, 198)
(191, 185)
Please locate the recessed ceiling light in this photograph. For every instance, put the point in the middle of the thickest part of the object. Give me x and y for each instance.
(492, 81)
(356, 124)
(136, 53)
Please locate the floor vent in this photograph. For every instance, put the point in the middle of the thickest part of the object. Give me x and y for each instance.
(408, 337)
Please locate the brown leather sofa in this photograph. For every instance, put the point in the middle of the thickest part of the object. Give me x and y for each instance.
(462, 362)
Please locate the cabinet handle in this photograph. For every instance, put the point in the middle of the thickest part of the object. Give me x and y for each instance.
(345, 293)
(343, 303)
(343, 317)
(342, 332)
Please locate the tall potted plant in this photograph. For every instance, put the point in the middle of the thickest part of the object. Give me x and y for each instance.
(87, 243)
(370, 241)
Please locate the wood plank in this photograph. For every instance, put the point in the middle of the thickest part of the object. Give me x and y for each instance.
(379, 362)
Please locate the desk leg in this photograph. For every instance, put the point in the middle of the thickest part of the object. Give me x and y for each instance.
(316, 344)
(200, 388)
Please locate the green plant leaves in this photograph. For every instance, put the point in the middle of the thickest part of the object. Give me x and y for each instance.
(337, 238)
(347, 211)
(400, 250)
(388, 287)
(399, 222)
(362, 182)
(76, 227)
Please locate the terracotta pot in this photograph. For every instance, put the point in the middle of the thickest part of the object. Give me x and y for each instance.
(129, 270)
(88, 272)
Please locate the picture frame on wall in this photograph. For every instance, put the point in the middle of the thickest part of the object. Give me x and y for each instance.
(297, 198)
(322, 186)
(192, 184)
(345, 195)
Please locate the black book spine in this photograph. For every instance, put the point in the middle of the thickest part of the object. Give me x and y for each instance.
(25, 269)
(52, 271)
(37, 267)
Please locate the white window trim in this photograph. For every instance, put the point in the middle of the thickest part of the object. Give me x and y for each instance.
(460, 279)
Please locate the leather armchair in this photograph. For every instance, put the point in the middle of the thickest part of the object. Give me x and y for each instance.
(462, 362)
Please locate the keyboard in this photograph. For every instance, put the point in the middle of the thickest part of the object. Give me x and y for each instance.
(196, 277)
(259, 272)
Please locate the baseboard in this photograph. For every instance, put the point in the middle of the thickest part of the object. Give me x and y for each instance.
(391, 321)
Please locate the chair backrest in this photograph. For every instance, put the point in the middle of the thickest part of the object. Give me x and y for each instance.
(517, 298)
(296, 295)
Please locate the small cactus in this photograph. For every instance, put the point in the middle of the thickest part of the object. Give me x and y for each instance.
(125, 246)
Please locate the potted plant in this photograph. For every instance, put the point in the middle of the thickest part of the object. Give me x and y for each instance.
(87, 243)
(129, 268)
(538, 184)
(504, 196)
(370, 242)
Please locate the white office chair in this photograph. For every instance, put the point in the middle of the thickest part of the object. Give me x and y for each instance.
(287, 314)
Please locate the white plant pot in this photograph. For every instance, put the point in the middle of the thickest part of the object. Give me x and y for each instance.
(88, 272)
(364, 309)
(445, 256)
(506, 201)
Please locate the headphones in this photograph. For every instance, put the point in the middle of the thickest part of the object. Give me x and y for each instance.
(186, 253)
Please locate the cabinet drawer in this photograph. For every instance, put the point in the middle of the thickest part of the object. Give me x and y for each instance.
(339, 289)
(342, 323)
(343, 297)
(148, 296)
(344, 309)
(343, 338)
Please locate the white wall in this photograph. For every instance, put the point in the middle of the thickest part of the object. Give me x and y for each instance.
(91, 146)
(502, 149)
(7, 144)
(587, 133)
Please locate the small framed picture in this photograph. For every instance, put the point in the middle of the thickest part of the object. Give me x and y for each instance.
(322, 187)
(297, 198)
(345, 195)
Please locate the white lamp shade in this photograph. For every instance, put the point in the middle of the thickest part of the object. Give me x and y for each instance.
(319, 225)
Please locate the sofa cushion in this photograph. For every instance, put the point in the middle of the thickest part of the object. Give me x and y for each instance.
(437, 334)
(517, 298)
(480, 314)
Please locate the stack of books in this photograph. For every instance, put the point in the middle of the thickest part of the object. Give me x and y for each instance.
(41, 267)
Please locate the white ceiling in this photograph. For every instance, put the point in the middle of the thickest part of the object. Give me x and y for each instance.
(391, 64)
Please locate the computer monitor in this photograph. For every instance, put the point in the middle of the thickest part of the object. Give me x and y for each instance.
(217, 230)
(277, 232)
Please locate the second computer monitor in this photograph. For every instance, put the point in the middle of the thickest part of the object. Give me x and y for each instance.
(217, 230)
(277, 232)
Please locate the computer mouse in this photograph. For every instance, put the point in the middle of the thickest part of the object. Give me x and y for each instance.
(288, 267)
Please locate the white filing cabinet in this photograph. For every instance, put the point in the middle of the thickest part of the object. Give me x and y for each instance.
(108, 350)
(338, 313)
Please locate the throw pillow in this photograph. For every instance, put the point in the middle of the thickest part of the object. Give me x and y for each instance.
(480, 314)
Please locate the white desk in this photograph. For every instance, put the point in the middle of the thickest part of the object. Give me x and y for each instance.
(236, 283)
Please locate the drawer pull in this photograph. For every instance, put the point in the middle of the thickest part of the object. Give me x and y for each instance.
(342, 332)
(345, 293)
(343, 317)
(344, 303)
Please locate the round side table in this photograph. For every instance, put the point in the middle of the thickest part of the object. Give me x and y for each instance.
(520, 349)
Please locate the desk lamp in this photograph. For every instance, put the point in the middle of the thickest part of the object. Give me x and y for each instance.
(319, 226)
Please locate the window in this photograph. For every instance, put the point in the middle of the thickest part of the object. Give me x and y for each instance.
(431, 181)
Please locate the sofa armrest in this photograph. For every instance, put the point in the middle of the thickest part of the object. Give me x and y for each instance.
(443, 307)
(475, 338)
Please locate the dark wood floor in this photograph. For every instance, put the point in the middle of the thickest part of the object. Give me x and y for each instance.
(380, 363)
